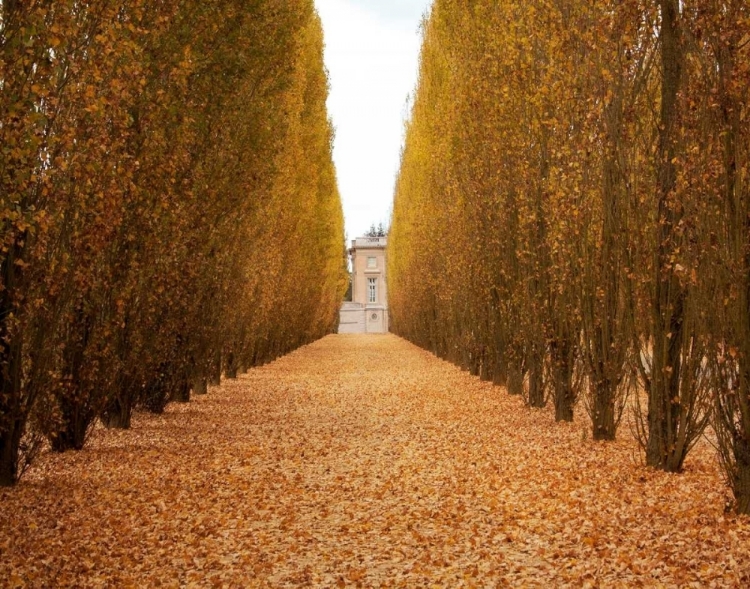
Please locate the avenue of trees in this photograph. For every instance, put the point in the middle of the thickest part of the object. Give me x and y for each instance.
(169, 206)
(590, 163)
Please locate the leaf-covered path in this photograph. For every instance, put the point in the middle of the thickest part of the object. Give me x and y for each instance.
(364, 461)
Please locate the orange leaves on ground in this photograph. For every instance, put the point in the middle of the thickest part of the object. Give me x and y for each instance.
(364, 461)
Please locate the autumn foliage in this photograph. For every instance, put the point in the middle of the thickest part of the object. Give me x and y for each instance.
(588, 163)
(363, 461)
(169, 205)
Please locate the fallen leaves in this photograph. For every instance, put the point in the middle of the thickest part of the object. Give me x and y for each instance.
(364, 461)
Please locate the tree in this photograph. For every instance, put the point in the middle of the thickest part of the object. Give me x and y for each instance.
(672, 346)
(379, 231)
(169, 206)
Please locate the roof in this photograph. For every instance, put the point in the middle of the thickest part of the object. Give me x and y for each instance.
(369, 242)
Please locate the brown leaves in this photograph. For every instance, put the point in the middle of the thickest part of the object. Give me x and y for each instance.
(584, 236)
(363, 461)
(172, 163)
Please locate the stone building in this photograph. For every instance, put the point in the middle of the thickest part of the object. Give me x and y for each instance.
(368, 311)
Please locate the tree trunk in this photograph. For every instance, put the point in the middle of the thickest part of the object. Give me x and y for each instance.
(662, 448)
(474, 365)
(230, 370)
(77, 418)
(181, 392)
(733, 428)
(741, 476)
(485, 369)
(515, 379)
(500, 371)
(12, 414)
(465, 360)
(13, 421)
(119, 413)
(10, 442)
(215, 377)
(200, 386)
(565, 397)
(562, 373)
(603, 411)
(76, 402)
(536, 380)
(157, 395)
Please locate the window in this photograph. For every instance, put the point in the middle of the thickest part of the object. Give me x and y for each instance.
(372, 262)
(372, 290)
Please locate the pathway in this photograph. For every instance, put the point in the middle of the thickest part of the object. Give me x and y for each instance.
(364, 461)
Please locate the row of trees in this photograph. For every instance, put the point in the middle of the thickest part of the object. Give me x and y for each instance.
(592, 163)
(169, 205)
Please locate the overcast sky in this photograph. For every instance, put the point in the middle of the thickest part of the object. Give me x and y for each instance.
(372, 51)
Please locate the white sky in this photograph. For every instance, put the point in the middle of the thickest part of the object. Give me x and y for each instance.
(372, 52)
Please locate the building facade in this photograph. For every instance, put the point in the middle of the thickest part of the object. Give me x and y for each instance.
(368, 311)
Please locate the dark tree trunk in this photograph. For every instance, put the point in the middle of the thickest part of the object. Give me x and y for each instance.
(200, 386)
(474, 364)
(13, 421)
(605, 299)
(536, 380)
(119, 412)
(565, 397)
(733, 427)
(10, 442)
(603, 411)
(230, 370)
(76, 402)
(563, 360)
(156, 397)
(741, 476)
(662, 448)
(500, 371)
(77, 418)
(453, 355)
(181, 392)
(515, 379)
(12, 413)
(214, 378)
(486, 370)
